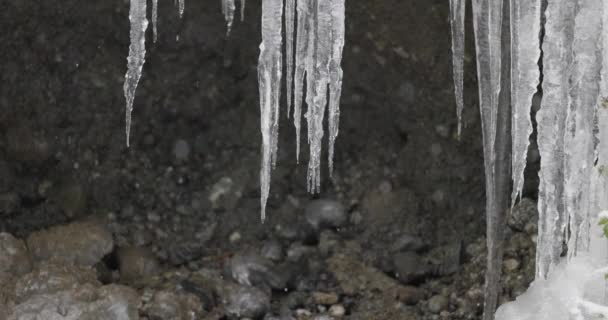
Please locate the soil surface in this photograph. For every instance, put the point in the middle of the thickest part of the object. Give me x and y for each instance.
(397, 234)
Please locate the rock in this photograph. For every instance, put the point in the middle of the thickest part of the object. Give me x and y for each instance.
(47, 278)
(244, 301)
(524, 212)
(181, 150)
(81, 303)
(438, 303)
(337, 310)
(9, 203)
(410, 267)
(79, 243)
(410, 295)
(191, 247)
(325, 298)
(376, 290)
(249, 268)
(272, 250)
(136, 263)
(173, 306)
(511, 265)
(408, 242)
(14, 258)
(325, 213)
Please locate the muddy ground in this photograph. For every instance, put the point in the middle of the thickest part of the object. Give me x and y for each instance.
(187, 188)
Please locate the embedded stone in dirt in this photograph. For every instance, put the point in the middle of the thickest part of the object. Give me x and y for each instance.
(325, 213)
(79, 243)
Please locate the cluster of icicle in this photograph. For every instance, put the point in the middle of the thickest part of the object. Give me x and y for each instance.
(314, 32)
(137, 48)
(572, 126)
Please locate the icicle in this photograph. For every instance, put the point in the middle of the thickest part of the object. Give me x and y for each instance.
(579, 135)
(228, 8)
(154, 18)
(269, 77)
(457, 14)
(335, 72)
(487, 23)
(182, 5)
(137, 54)
(304, 25)
(525, 52)
(316, 97)
(557, 60)
(243, 2)
(290, 15)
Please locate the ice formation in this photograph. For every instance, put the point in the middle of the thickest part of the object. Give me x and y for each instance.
(572, 140)
(228, 9)
(137, 54)
(457, 13)
(319, 41)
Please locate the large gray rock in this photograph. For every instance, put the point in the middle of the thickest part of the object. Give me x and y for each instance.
(61, 292)
(14, 258)
(325, 213)
(79, 243)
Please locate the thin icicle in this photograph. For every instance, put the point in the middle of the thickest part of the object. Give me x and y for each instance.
(182, 6)
(137, 54)
(579, 135)
(269, 77)
(457, 14)
(228, 8)
(243, 2)
(335, 72)
(557, 61)
(525, 52)
(290, 16)
(487, 22)
(154, 18)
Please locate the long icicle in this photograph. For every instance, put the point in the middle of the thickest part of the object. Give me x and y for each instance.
(487, 23)
(136, 59)
(525, 53)
(269, 77)
(290, 23)
(335, 76)
(457, 15)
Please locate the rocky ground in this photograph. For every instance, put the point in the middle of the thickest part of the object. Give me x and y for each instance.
(170, 229)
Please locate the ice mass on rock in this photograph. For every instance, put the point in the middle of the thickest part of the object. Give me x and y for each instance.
(552, 48)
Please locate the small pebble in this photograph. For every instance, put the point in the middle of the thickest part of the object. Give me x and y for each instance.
(438, 303)
(337, 310)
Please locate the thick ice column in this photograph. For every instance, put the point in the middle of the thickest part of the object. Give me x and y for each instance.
(269, 78)
(579, 132)
(137, 54)
(525, 54)
(557, 61)
(457, 15)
